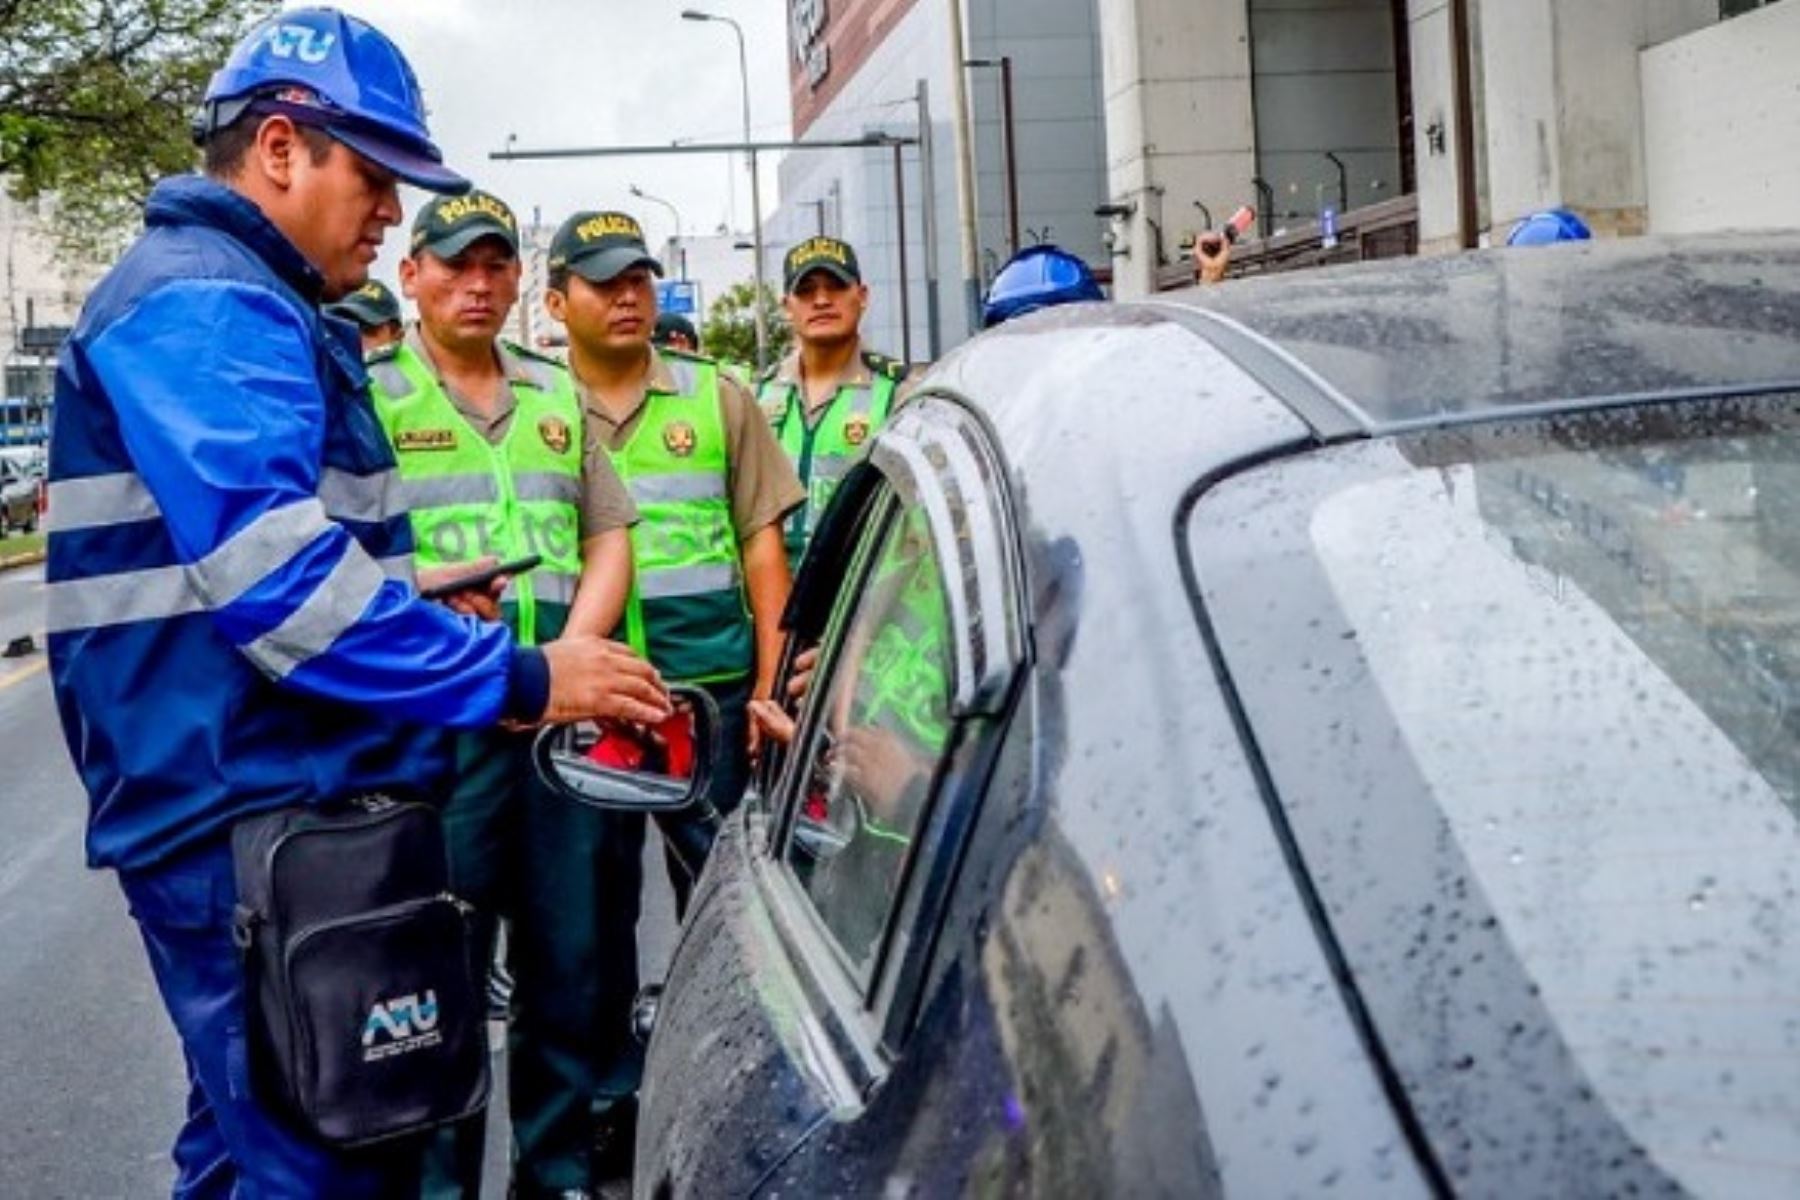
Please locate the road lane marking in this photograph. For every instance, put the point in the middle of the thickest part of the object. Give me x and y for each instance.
(7, 681)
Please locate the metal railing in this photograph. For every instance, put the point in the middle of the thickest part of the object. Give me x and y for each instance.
(1389, 229)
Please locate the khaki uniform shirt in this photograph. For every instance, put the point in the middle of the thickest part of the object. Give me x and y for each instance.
(605, 504)
(763, 486)
(856, 373)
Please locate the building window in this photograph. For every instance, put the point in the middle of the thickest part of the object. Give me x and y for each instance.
(1737, 8)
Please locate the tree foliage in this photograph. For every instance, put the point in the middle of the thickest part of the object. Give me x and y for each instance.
(95, 99)
(730, 330)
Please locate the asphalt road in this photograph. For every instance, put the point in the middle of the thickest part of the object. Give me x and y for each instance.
(91, 1080)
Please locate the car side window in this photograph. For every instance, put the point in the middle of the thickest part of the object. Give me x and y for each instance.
(883, 729)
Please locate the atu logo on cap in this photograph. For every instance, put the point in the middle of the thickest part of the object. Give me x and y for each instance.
(297, 41)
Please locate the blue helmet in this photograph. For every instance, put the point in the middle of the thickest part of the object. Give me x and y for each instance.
(1551, 225)
(1038, 277)
(340, 74)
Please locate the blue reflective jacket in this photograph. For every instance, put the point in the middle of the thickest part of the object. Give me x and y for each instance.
(231, 618)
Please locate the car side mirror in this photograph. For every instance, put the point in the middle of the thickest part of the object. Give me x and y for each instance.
(661, 770)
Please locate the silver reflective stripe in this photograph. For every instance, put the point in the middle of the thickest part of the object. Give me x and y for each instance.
(249, 555)
(152, 595)
(547, 485)
(335, 605)
(390, 379)
(100, 500)
(832, 466)
(350, 497)
(436, 491)
(686, 377)
(687, 581)
(674, 489)
(552, 587)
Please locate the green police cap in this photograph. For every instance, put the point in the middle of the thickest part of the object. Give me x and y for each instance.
(820, 254)
(451, 224)
(600, 246)
(370, 305)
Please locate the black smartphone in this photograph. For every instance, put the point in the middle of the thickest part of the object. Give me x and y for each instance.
(475, 579)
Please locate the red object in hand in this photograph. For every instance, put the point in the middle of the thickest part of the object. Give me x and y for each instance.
(1240, 223)
(668, 748)
(677, 734)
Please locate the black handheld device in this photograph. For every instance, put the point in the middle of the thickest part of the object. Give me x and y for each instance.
(482, 578)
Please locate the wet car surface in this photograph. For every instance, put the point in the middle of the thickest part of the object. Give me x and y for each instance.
(1326, 735)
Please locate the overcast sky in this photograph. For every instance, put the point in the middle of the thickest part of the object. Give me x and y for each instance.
(588, 73)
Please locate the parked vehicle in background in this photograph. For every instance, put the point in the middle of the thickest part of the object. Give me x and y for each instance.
(34, 459)
(20, 493)
(1320, 735)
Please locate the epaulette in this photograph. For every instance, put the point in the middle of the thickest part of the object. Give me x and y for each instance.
(881, 364)
(382, 354)
(534, 355)
(677, 352)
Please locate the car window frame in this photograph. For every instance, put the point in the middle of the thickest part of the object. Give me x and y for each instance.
(939, 457)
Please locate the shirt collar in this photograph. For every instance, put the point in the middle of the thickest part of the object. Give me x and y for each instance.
(855, 374)
(510, 366)
(198, 200)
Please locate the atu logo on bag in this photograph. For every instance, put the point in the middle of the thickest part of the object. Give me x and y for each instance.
(400, 1026)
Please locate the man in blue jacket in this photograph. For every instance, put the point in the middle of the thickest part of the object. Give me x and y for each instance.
(233, 623)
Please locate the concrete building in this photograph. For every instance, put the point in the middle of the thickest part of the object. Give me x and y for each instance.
(1642, 115)
(855, 69)
(43, 297)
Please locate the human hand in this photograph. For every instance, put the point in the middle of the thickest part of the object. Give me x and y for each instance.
(481, 601)
(593, 678)
(768, 719)
(801, 677)
(1212, 256)
(877, 765)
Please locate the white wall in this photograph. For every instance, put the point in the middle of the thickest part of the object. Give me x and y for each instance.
(1722, 125)
(1180, 122)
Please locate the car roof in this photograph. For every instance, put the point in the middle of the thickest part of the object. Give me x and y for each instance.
(1581, 324)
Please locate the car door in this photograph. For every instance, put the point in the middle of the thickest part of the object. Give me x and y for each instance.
(794, 988)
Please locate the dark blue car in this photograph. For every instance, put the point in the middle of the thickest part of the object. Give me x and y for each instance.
(1307, 737)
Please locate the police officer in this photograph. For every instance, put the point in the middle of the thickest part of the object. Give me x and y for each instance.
(829, 395)
(712, 488)
(488, 438)
(374, 312)
(232, 622)
(675, 332)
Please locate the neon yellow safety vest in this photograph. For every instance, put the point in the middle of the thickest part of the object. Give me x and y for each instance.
(468, 497)
(687, 613)
(823, 450)
(905, 686)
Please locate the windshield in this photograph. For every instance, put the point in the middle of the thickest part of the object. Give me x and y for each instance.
(1529, 698)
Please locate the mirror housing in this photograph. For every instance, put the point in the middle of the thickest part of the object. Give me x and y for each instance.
(564, 758)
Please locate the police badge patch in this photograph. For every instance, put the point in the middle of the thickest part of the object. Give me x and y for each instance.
(856, 429)
(678, 438)
(555, 432)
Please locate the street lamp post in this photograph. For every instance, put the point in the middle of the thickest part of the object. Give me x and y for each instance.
(762, 330)
(680, 245)
(1010, 146)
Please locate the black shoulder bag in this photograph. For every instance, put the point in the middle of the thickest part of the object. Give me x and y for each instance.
(365, 1015)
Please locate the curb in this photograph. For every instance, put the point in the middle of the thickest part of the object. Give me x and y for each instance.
(22, 560)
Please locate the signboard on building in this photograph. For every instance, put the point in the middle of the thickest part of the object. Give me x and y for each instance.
(680, 296)
(829, 40)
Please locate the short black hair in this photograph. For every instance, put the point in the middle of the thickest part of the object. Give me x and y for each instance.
(558, 280)
(224, 151)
